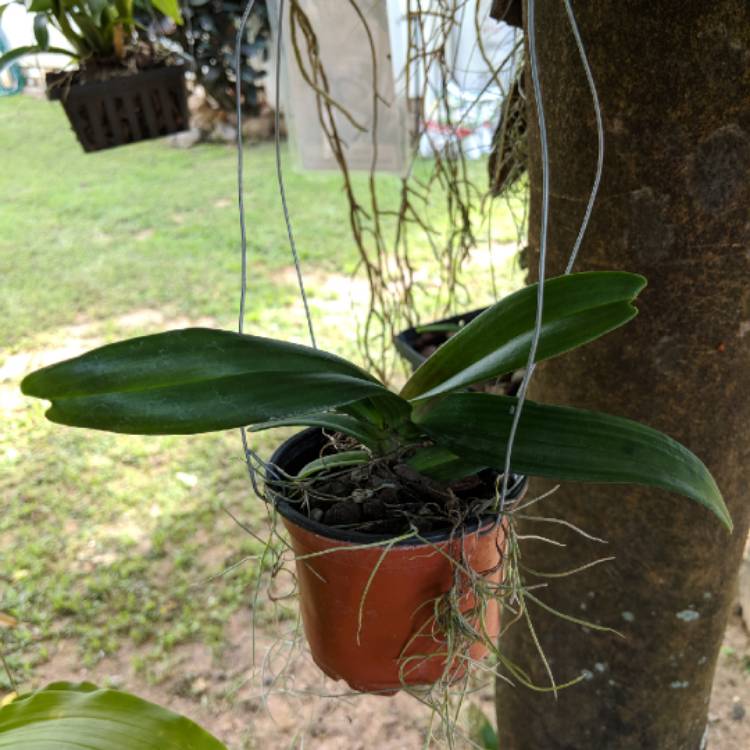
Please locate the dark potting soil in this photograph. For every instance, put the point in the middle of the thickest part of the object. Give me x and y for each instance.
(388, 497)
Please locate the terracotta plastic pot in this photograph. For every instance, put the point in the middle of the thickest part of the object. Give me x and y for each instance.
(369, 613)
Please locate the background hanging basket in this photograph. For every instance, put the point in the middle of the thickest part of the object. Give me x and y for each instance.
(125, 109)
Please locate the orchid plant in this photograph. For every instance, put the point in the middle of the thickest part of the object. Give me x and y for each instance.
(198, 380)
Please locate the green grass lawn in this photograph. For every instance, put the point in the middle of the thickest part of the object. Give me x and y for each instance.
(108, 540)
(97, 235)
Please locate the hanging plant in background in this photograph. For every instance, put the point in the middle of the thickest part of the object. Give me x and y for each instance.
(509, 157)
(101, 34)
(414, 255)
(124, 88)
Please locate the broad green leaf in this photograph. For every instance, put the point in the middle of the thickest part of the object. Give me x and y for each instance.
(214, 403)
(41, 32)
(356, 428)
(66, 716)
(577, 309)
(569, 444)
(170, 8)
(33, 49)
(196, 380)
(179, 356)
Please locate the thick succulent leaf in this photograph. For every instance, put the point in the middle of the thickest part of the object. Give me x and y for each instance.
(66, 716)
(386, 412)
(195, 380)
(182, 356)
(210, 404)
(577, 309)
(356, 428)
(569, 444)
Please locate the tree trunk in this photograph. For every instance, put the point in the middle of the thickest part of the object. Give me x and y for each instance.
(674, 83)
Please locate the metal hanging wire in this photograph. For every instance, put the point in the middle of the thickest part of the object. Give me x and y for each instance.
(599, 135)
(251, 457)
(280, 177)
(531, 361)
(544, 148)
(239, 39)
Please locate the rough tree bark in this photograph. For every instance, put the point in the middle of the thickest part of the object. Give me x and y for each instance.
(674, 80)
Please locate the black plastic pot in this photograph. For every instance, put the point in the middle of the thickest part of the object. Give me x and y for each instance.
(367, 609)
(123, 109)
(415, 345)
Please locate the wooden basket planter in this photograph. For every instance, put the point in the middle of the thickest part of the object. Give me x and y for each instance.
(124, 109)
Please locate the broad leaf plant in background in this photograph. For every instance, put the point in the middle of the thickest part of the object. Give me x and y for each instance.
(67, 715)
(99, 32)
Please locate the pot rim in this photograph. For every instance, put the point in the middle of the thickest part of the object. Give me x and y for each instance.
(482, 525)
(405, 341)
